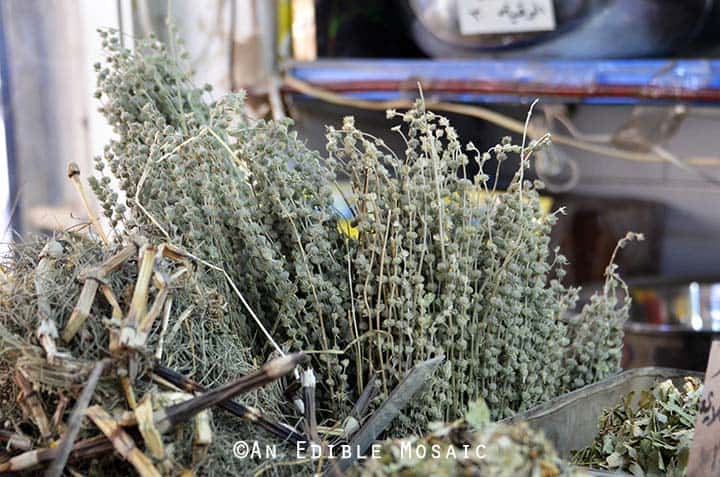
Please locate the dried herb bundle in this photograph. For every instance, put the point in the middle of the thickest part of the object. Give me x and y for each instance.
(438, 264)
(43, 287)
(245, 195)
(442, 265)
(596, 334)
(649, 433)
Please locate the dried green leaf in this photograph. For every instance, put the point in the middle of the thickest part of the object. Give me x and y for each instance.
(478, 414)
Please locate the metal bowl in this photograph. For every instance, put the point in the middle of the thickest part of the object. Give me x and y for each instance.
(583, 28)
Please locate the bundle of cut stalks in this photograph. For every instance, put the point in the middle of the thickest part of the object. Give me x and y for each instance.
(83, 332)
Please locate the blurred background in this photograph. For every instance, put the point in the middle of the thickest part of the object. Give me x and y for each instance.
(628, 89)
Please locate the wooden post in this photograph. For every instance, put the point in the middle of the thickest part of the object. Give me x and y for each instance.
(705, 452)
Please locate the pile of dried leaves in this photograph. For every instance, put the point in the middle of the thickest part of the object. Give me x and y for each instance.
(648, 434)
(471, 446)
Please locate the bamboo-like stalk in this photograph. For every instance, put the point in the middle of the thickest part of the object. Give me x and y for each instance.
(146, 322)
(56, 420)
(164, 328)
(82, 310)
(13, 440)
(352, 423)
(164, 419)
(202, 435)
(87, 295)
(363, 403)
(173, 252)
(24, 461)
(128, 391)
(167, 418)
(146, 426)
(73, 172)
(47, 331)
(114, 341)
(85, 449)
(119, 258)
(308, 383)
(31, 399)
(138, 309)
(247, 413)
(155, 310)
(109, 295)
(138, 305)
(122, 442)
(117, 316)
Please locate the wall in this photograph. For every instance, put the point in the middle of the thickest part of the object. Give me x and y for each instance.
(52, 46)
(691, 246)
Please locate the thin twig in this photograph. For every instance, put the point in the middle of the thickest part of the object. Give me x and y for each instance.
(56, 467)
(308, 383)
(73, 172)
